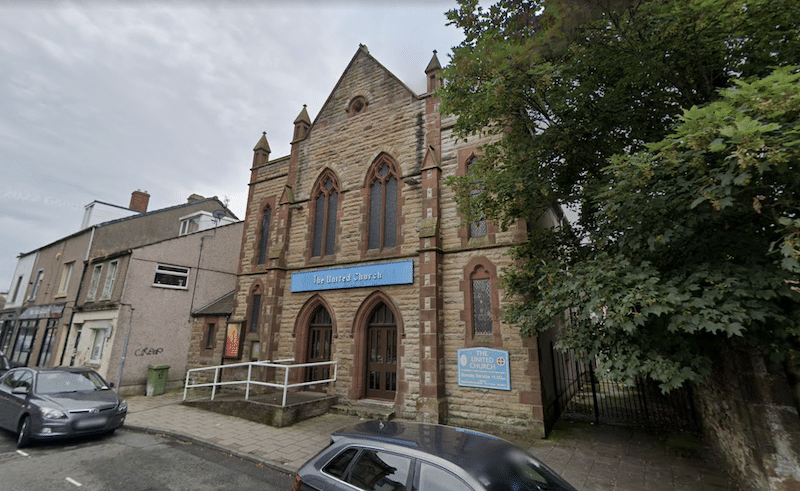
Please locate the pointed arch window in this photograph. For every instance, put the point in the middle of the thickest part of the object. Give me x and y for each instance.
(326, 202)
(383, 209)
(263, 243)
(255, 311)
(481, 303)
(478, 227)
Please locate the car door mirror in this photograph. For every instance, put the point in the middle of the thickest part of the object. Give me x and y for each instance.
(20, 390)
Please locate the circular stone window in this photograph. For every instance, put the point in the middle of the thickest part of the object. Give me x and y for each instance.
(357, 105)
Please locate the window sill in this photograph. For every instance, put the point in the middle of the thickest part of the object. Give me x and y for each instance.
(485, 341)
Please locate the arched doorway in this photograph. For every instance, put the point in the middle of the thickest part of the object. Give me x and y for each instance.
(381, 376)
(320, 334)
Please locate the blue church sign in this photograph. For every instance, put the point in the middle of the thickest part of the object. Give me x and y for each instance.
(483, 367)
(369, 275)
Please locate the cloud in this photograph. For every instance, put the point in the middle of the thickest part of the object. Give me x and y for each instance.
(101, 99)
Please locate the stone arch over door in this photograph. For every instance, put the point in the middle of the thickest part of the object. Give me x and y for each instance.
(379, 314)
(314, 331)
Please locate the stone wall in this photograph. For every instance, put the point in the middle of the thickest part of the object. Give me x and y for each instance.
(432, 314)
(750, 418)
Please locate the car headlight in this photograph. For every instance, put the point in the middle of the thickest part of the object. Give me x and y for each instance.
(52, 413)
(123, 406)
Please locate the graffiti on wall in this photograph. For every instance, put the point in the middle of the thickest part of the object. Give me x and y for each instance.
(148, 351)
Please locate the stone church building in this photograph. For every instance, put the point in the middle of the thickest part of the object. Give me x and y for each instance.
(353, 251)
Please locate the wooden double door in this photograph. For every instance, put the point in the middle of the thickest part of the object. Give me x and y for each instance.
(381, 351)
(381, 354)
(320, 335)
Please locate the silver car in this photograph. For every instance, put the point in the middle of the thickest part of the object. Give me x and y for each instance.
(408, 456)
(46, 403)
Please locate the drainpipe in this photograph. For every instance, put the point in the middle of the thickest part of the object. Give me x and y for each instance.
(125, 347)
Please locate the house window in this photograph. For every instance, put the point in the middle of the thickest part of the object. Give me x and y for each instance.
(254, 312)
(210, 332)
(111, 277)
(171, 277)
(478, 227)
(23, 345)
(16, 289)
(36, 285)
(5, 335)
(382, 206)
(98, 341)
(263, 244)
(326, 200)
(47, 343)
(66, 274)
(93, 284)
(190, 225)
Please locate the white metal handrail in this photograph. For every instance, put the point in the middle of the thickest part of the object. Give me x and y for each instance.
(278, 364)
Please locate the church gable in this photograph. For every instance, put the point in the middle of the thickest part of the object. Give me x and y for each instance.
(365, 86)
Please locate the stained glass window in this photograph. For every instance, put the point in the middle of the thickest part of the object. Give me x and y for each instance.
(482, 307)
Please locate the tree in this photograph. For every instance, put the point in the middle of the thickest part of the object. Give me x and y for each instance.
(689, 221)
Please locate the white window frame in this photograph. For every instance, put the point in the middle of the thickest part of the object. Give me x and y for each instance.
(95, 282)
(169, 270)
(98, 344)
(66, 275)
(111, 278)
(186, 225)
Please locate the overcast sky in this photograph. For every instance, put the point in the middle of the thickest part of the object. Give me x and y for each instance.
(100, 99)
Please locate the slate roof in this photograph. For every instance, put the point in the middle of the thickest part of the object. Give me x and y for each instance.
(220, 306)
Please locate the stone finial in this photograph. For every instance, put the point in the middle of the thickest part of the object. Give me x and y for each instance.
(301, 125)
(262, 143)
(433, 65)
(432, 71)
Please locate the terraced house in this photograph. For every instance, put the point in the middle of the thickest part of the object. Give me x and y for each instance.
(353, 250)
(124, 283)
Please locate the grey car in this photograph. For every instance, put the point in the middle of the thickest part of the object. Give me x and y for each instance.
(47, 403)
(400, 456)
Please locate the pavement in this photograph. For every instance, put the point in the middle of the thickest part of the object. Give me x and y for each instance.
(591, 458)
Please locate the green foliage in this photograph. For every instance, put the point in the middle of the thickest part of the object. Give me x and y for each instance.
(688, 190)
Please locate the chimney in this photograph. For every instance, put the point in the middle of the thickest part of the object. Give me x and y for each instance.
(194, 197)
(139, 201)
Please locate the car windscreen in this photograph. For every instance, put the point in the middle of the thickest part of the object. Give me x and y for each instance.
(55, 382)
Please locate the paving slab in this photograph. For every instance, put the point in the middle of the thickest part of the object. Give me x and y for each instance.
(591, 458)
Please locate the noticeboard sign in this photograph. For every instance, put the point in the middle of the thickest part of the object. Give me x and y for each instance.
(233, 341)
(485, 368)
(366, 275)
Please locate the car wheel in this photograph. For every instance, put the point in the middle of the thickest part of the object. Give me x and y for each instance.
(24, 436)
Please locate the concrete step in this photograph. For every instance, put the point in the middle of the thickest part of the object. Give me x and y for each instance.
(366, 409)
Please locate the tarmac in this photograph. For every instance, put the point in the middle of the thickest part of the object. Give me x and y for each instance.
(591, 458)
